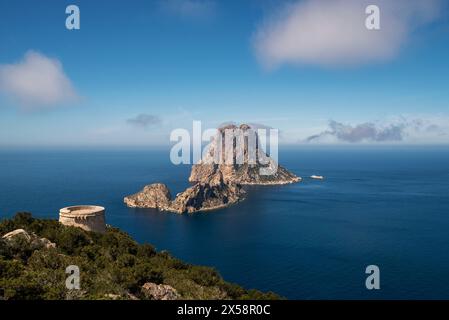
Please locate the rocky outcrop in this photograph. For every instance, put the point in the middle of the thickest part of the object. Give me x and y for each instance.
(245, 163)
(18, 235)
(47, 243)
(212, 195)
(155, 196)
(234, 158)
(154, 291)
(200, 197)
(242, 174)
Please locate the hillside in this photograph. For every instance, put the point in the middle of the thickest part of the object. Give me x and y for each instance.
(112, 266)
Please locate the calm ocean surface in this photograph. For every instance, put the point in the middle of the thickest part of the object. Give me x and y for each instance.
(311, 240)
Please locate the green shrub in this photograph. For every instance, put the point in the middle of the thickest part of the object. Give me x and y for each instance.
(110, 263)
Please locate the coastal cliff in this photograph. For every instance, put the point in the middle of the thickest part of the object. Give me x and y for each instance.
(34, 255)
(219, 177)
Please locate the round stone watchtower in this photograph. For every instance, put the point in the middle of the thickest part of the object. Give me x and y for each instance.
(89, 218)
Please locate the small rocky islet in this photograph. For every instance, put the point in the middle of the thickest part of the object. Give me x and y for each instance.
(216, 184)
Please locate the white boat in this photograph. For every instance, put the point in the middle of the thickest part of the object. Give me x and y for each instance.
(316, 177)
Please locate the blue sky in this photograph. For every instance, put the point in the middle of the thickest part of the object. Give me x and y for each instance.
(166, 63)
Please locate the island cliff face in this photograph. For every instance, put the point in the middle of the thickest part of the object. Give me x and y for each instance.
(200, 197)
(218, 178)
(155, 196)
(209, 195)
(262, 170)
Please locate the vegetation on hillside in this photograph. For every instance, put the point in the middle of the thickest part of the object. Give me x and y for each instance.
(112, 265)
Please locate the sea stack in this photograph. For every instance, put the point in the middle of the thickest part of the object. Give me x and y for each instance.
(234, 158)
(262, 170)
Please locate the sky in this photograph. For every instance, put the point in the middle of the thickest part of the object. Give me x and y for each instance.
(136, 70)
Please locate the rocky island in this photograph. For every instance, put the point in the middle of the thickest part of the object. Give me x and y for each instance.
(219, 178)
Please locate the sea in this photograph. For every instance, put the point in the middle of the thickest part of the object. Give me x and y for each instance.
(386, 206)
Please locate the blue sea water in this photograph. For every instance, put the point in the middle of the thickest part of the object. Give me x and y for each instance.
(385, 206)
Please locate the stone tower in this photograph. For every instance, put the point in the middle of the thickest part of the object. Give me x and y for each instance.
(89, 218)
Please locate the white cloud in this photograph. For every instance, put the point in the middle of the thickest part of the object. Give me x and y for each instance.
(333, 32)
(189, 8)
(36, 81)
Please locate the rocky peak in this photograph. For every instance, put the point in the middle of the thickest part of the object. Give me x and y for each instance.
(156, 195)
(236, 153)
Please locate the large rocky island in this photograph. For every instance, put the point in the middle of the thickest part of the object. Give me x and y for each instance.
(219, 178)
